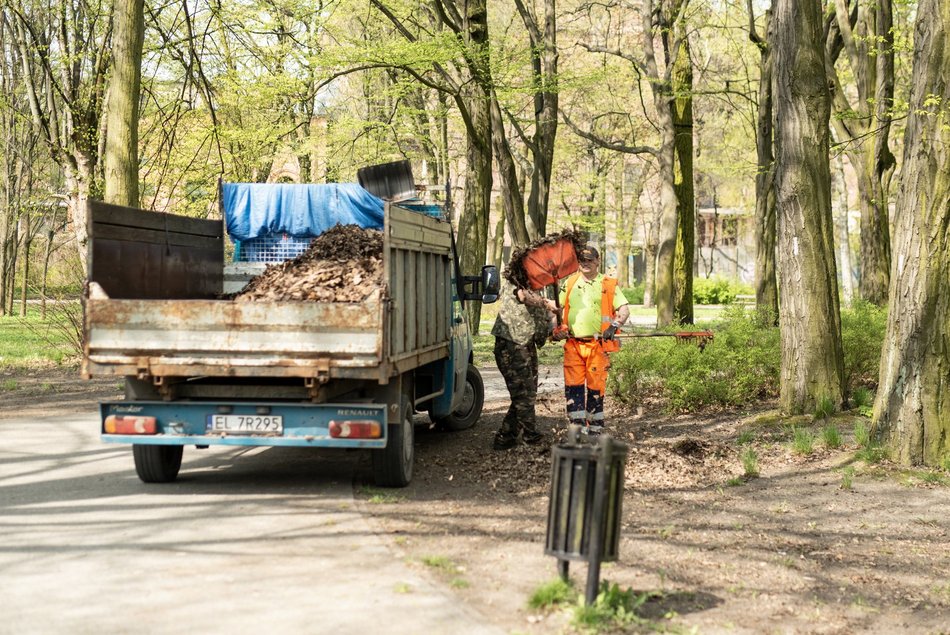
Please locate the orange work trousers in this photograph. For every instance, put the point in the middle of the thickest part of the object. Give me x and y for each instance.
(585, 380)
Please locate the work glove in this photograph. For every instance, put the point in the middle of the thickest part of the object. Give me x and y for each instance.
(611, 331)
(560, 333)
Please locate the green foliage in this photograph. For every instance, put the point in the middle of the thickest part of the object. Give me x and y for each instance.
(613, 608)
(871, 453)
(718, 290)
(824, 407)
(441, 563)
(740, 366)
(831, 436)
(803, 441)
(552, 594)
(863, 326)
(635, 293)
(31, 341)
(863, 400)
(862, 435)
(750, 462)
(746, 436)
(847, 477)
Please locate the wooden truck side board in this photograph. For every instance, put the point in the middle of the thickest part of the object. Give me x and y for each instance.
(147, 325)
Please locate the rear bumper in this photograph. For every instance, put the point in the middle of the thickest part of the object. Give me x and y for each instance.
(186, 423)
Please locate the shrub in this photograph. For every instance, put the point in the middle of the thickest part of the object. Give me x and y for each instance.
(716, 290)
(863, 328)
(740, 366)
(634, 294)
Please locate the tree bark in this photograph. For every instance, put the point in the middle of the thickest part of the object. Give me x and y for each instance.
(912, 409)
(766, 290)
(812, 359)
(865, 33)
(844, 235)
(121, 160)
(544, 65)
(683, 184)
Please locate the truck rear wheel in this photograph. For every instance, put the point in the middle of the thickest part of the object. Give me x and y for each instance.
(392, 466)
(470, 409)
(157, 463)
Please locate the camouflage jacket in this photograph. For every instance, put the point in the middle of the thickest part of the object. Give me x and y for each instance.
(519, 323)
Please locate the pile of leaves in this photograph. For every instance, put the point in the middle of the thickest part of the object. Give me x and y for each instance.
(344, 264)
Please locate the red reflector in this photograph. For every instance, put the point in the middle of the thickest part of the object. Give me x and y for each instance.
(355, 429)
(119, 424)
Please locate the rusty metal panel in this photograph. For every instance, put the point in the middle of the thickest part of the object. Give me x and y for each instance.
(137, 254)
(189, 337)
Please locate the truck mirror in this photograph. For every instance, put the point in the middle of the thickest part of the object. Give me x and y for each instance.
(491, 283)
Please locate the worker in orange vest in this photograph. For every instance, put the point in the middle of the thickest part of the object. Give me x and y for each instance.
(593, 310)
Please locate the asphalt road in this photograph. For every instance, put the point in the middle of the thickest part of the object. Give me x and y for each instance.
(246, 541)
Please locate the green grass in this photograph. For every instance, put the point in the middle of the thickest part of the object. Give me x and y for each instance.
(824, 407)
(30, 342)
(871, 454)
(803, 441)
(440, 563)
(750, 462)
(745, 437)
(847, 477)
(863, 400)
(862, 435)
(552, 594)
(831, 437)
(614, 609)
(9, 384)
(376, 496)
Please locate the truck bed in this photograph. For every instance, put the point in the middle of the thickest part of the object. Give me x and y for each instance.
(159, 328)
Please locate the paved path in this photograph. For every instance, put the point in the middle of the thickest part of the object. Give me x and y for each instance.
(247, 541)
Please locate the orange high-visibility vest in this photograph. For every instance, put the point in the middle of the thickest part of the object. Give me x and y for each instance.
(607, 288)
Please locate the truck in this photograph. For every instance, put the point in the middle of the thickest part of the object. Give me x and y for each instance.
(201, 369)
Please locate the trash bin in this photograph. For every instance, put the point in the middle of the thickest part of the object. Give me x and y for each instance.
(585, 504)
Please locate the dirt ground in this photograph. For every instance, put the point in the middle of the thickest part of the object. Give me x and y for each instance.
(792, 551)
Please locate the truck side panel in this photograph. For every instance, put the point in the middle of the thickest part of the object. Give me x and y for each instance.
(418, 252)
(138, 255)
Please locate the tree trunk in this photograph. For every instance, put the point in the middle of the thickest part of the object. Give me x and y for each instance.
(865, 33)
(912, 410)
(649, 272)
(512, 197)
(812, 359)
(844, 235)
(27, 245)
(473, 226)
(544, 62)
(766, 291)
(875, 238)
(121, 160)
(683, 184)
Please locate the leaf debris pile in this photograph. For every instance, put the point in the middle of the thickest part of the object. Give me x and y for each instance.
(344, 264)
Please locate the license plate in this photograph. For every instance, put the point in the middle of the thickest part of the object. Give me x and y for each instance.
(245, 424)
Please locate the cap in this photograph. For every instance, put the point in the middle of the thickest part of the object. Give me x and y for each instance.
(588, 253)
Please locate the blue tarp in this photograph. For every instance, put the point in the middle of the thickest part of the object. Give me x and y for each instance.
(252, 210)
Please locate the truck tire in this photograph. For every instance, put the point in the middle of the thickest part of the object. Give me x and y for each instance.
(468, 412)
(392, 466)
(157, 463)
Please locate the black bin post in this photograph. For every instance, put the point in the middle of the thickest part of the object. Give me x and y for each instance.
(585, 505)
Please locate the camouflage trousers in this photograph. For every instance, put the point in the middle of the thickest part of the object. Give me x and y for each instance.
(519, 366)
